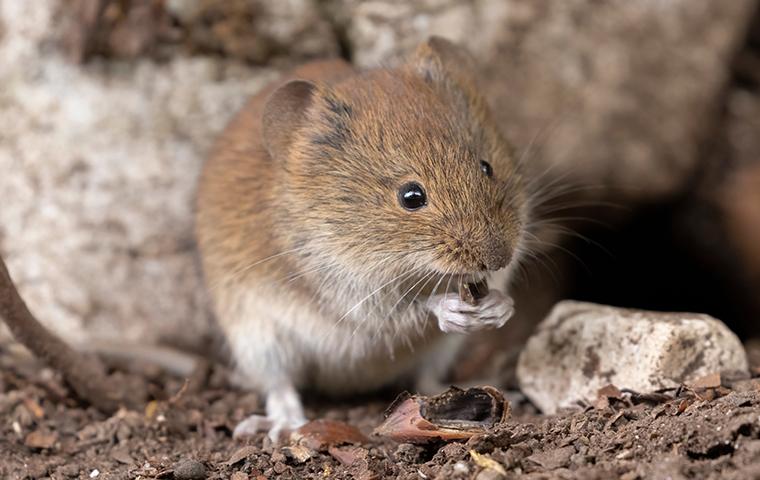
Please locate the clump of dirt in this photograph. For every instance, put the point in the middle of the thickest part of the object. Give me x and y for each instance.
(185, 432)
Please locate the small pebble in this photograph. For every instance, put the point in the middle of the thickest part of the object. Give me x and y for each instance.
(69, 470)
(461, 467)
(277, 457)
(279, 468)
(189, 470)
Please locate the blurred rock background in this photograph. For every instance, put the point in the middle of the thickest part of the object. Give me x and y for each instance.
(642, 117)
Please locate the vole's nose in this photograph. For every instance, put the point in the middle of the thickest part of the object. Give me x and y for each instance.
(496, 255)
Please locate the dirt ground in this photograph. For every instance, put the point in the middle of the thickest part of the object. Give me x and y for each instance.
(185, 432)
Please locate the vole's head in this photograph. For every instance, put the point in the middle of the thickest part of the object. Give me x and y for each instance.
(394, 171)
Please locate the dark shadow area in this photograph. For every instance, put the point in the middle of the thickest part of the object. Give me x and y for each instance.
(655, 262)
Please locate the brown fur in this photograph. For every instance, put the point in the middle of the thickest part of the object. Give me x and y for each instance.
(325, 181)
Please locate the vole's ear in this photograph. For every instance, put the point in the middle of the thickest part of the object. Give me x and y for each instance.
(284, 113)
(440, 60)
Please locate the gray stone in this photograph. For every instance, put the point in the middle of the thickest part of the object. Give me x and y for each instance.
(189, 470)
(581, 347)
(99, 165)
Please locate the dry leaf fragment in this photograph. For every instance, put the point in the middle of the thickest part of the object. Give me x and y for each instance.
(348, 456)
(241, 454)
(610, 391)
(455, 414)
(321, 434)
(298, 453)
(605, 394)
(39, 439)
(711, 380)
(486, 462)
(683, 405)
(356, 459)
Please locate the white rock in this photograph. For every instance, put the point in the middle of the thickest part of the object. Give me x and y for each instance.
(581, 347)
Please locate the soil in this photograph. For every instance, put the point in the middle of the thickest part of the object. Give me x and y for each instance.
(185, 432)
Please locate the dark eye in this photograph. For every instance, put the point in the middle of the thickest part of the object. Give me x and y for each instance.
(412, 196)
(485, 167)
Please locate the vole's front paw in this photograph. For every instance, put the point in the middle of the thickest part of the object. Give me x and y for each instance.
(276, 427)
(456, 316)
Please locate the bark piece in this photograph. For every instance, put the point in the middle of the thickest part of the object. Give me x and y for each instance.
(40, 439)
(711, 380)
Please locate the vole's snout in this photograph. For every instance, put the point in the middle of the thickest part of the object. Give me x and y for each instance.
(496, 255)
(470, 252)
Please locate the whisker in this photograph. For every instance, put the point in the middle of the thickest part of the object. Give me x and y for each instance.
(367, 297)
(246, 268)
(390, 311)
(564, 230)
(570, 218)
(541, 258)
(429, 277)
(295, 276)
(563, 249)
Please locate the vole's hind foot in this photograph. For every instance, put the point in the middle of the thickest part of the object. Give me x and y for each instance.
(284, 415)
(276, 429)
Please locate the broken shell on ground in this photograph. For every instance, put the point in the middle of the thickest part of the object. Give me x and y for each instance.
(455, 414)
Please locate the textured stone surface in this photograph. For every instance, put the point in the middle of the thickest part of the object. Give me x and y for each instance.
(257, 31)
(98, 172)
(99, 161)
(582, 347)
(616, 93)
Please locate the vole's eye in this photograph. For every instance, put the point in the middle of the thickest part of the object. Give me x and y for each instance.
(412, 196)
(485, 167)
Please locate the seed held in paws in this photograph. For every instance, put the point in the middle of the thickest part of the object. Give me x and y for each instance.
(471, 292)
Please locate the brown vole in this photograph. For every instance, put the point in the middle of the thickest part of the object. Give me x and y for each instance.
(337, 216)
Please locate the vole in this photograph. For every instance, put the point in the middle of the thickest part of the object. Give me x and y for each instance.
(336, 217)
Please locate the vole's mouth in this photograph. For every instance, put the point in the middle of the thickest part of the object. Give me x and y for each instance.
(469, 276)
(453, 280)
